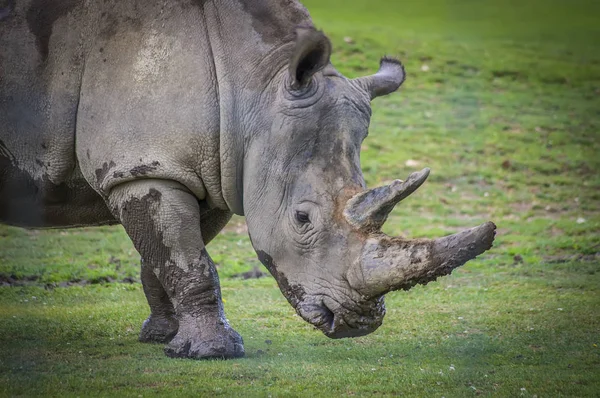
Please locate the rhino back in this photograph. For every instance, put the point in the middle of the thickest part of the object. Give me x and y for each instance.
(149, 103)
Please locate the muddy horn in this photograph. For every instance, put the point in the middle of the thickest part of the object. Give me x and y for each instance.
(389, 263)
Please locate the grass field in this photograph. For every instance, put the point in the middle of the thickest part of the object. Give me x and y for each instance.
(502, 101)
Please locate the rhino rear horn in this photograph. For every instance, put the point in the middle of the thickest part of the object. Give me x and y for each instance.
(310, 55)
(388, 79)
(368, 210)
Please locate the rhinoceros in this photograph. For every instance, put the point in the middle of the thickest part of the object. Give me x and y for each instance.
(170, 116)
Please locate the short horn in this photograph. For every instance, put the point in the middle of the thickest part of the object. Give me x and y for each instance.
(388, 78)
(368, 210)
(388, 263)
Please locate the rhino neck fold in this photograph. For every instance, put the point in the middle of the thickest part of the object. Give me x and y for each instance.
(250, 47)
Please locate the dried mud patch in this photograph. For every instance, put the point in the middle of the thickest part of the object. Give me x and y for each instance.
(34, 280)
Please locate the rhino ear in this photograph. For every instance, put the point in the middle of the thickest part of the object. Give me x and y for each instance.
(310, 55)
(388, 79)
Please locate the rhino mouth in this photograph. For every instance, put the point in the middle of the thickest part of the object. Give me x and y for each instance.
(348, 320)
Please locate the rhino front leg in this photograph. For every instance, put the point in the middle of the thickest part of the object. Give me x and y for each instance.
(162, 324)
(163, 220)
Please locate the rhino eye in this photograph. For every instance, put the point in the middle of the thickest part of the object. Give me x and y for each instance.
(302, 217)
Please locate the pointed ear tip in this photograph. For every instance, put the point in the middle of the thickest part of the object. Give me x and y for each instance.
(309, 31)
(393, 67)
(308, 37)
(386, 59)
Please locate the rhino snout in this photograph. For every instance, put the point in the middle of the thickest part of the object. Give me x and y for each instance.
(338, 321)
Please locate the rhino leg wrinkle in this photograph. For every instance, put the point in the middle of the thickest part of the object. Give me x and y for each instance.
(169, 117)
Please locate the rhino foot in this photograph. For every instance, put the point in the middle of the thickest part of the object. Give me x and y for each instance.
(219, 343)
(158, 329)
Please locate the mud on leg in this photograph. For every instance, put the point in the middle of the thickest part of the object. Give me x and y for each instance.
(163, 220)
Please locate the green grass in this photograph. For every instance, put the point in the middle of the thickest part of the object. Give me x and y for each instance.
(502, 101)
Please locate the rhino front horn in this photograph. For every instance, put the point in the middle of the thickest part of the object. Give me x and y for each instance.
(388, 263)
(368, 210)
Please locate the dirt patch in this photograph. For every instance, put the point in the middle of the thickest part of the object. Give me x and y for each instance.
(13, 280)
(33, 280)
(255, 273)
(509, 74)
(557, 259)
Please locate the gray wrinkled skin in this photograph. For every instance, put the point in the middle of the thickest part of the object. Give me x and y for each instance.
(168, 117)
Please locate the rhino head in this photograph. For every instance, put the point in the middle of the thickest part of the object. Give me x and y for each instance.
(312, 221)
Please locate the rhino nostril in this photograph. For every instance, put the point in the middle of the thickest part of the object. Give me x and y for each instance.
(329, 317)
(318, 315)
